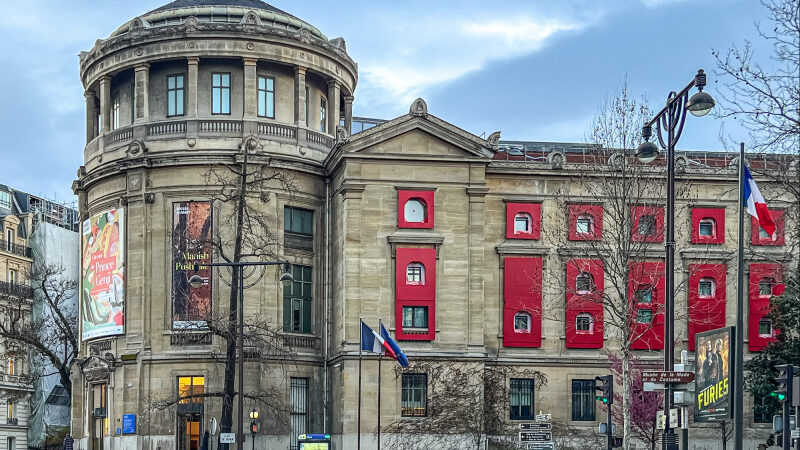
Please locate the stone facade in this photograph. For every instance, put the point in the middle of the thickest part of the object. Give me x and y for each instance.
(145, 160)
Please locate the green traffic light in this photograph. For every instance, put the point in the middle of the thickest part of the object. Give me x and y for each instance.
(602, 399)
(781, 397)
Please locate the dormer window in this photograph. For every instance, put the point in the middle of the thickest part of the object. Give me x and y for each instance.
(706, 287)
(414, 211)
(522, 322)
(584, 224)
(5, 200)
(584, 283)
(415, 274)
(522, 223)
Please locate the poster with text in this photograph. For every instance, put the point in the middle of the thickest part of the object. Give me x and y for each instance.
(713, 374)
(103, 274)
(191, 244)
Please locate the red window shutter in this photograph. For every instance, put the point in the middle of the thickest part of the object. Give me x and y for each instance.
(415, 295)
(523, 294)
(642, 275)
(534, 210)
(759, 304)
(578, 302)
(706, 313)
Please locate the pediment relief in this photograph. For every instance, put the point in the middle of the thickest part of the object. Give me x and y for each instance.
(418, 136)
(97, 368)
(416, 142)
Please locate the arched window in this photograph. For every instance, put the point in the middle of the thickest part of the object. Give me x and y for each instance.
(765, 286)
(414, 211)
(415, 274)
(522, 223)
(522, 322)
(584, 283)
(707, 227)
(584, 323)
(706, 287)
(584, 224)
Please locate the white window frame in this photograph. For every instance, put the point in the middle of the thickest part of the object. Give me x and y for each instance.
(771, 330)
(420, 274)
(713, 287)
(527, 316)
(528, 220)
(5, 199)
(584, 315)
(707, 221)
(584, 218)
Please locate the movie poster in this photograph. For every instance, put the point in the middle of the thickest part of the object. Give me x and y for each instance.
(103, 274)
(713, 374)
(191, 244)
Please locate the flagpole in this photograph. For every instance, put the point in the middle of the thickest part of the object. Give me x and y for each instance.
(380, 357)
(738, 377)
(360, 339)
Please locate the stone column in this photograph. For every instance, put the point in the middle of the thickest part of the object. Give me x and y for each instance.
(333, 106)
(141, 92)
(250, 88)
(91, 115)
(300, 99)
(191, 86)
(348, 114)
(105, 104)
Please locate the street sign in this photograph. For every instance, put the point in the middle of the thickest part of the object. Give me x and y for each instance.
(667, 376)
(603, 428)
(673, 418)
(650, 387)
(661, 420)
(535, 436)
(795, 434)
(541, 446)
(543, 417)
(227, 438)
(536, 426)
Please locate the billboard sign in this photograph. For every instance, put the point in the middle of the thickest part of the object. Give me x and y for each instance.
(713, 379)
(191, 244)
(103, 274)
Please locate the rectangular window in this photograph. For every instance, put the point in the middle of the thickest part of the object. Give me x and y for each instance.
(11, 369)
(415, 274)
(297, 301)
(305, 105)
(12, 276)
(115, 111)
(647, 225)
(10, 409)
(322, 116)
(10, 444)
(5, 200)
(299, 414)
(220, 93)
(520, 399)
(706, 228)
(175, 95)
(189, 386)
(100, 412)
(414, 395)
(644, 295)
(644, 316)
(583, 322)
(704, 289)
(9, 240)
(297, 220)
(583, 401)
(765, 328)
(266, 97)
(583, 225)
(415, 317)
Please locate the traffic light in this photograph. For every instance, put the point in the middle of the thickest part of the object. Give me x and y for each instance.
(617, 442)
(606, 394)
(784, 382)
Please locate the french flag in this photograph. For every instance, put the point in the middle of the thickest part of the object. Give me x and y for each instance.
(372, 342)
(393, 349)
(756, 206)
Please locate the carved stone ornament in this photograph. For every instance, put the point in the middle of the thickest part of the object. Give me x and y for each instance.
(97, 368)
(134, 182)
(305, 36)
(250, 46)
(136, 24)
(191, 142)
(494, 140)
(149, 197)
(681, 161)
(734, 162)
(556, 159)
(251, 18)
(136, 148)
(251, 144)
(190, 24)
(341, 134)
(616, 160)
(418, 108)
(338, 43)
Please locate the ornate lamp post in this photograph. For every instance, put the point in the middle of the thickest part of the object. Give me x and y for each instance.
(253, 426)
(670, 120)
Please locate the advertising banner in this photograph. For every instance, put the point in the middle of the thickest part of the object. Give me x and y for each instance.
(103, 274)
(191, 244)
(713, 380)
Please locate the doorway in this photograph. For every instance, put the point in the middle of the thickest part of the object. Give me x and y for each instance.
(190, 431)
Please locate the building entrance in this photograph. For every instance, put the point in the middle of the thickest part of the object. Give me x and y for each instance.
(190, 431)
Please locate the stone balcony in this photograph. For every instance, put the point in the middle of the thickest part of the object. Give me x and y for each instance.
(16, 249)
(14, 382)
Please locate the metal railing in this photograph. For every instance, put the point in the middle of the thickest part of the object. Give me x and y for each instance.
(10, 247)
(16, 289)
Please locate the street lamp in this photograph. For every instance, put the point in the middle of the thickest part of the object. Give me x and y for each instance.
(253, 425)
(196, 281)
(670, 120)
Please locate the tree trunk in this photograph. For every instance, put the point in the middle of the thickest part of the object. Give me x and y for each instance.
(626, 398)
(66, 382)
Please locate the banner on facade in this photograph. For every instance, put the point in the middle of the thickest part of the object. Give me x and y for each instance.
(191, 244)
(103, 274)
(713, 378)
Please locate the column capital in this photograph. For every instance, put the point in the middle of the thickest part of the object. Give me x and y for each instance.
(89, 94)
(299, 70)
(105, 79)
(141, 67)
(334, 83)
(348, 99)
(193, 60)
(248, 61)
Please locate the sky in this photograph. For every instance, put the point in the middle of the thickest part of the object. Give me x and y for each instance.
(534, 70)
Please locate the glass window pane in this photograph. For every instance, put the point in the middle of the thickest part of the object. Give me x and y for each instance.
(171, 103)
(262, 83)
(408, 319)
(171, 83)
(215, 79)
(421, 317)
(179, 82)
(270, 104)
(262, 108)
(226, 101)
(215, 96)
(179, 103)
(270, 84)
(226, 80)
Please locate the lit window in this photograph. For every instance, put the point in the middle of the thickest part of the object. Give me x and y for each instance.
(12, 276)
(765, 287)
(647, 225)
(705, 288)
(322, 114)
(584, 322)
(414, 211)
(522, 322)
(522, 223)
(584, 224)
(10, 410)
(644, 316)
(414, 395)
(266, 97)
(584, 283)
(220, 93)
(415, 317)
(189, 387)
(764, 328)
(415, 274)
(520, 398)
(175, 95)
(707, 227)
(11, 365)
(115, 111)
(644, 295)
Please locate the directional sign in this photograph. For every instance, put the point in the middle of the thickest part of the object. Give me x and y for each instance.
(541, 446)
(536, 426)
(535, 436)
(667, 377)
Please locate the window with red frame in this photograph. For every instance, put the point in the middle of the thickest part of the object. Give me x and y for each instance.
(708, 225)
(584, 304)
(585, 222)
(415, 293)
(648, 223)
(760, 237)
(706, 299)
(764, 279)
(523, 220)
(646, 294)
(522, 309)
(415, 209)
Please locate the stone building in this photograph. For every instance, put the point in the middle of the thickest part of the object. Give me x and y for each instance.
(452, 240)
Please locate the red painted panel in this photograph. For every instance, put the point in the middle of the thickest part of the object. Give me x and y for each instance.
(596, 211)
(706, 312)
(759, 304)
(415, 294)
(779, 219)
(718, 216)
(426, 197)
(637, 212)
(584, 302)
(647, 275)
(532, 209)
(523, 293)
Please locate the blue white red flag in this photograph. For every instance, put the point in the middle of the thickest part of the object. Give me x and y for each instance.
(371, 341)
(393, 349)
(756, 205)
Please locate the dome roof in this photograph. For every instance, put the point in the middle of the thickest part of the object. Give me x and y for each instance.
(247, 4)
